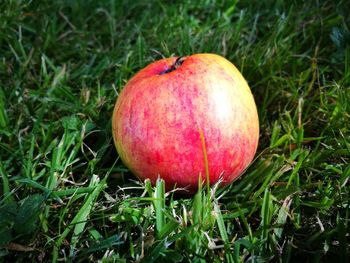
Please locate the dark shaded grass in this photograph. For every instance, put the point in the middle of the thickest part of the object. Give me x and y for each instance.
(65, 194)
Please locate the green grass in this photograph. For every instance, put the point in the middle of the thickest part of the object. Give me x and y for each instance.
(65, 195)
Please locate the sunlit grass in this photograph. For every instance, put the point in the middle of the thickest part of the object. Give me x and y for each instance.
(65, 195)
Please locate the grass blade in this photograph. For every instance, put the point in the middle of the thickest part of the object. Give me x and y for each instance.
(159, 204)
(5, 184)
(206, 163)
(80, 219)
(223, 232)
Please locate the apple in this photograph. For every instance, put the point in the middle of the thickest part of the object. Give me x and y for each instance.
(179, 114)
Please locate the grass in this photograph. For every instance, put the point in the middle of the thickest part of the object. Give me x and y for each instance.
(65, 195)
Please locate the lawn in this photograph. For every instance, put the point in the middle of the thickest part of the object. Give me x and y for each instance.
(66, 196)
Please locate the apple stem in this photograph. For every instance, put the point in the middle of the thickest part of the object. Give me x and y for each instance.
(178, 63)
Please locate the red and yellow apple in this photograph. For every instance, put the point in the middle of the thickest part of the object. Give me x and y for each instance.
(164, 112)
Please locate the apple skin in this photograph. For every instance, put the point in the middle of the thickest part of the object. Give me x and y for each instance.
(159, 117)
